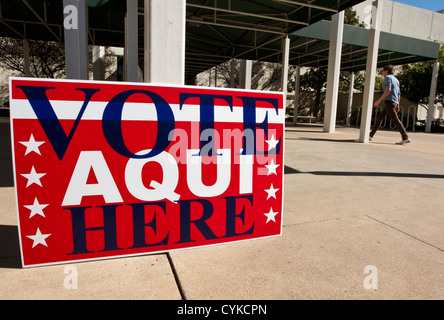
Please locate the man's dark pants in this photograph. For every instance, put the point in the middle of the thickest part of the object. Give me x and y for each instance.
(390, 109)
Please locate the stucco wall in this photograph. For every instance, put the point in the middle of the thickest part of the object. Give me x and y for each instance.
(406, 20)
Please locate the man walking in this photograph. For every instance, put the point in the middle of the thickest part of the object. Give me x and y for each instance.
(391, 98)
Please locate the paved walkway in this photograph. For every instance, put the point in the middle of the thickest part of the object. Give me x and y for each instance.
(349, 208)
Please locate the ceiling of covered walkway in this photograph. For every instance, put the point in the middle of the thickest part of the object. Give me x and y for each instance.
(216, 30)
(248, 29)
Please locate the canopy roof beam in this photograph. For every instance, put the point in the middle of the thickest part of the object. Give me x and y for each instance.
(262, 29)
(247, 14)
(41, 20)
(12, 29)
(308, 5)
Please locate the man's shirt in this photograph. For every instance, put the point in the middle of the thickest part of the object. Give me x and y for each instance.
(391, 82)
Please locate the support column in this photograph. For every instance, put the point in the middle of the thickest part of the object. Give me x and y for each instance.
(285, 61)
(76, 38)
(370, 72)
(245, 74)
(334, 66)
(297, 84)
(131, 41)
(284, 70)
(215, 76)
(232, 72)
(350, 98)
(27, 68)
(165, 41)
(98, 58)
(431, 110)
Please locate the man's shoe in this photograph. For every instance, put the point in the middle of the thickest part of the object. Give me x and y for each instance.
(370, 138)
(403, 141)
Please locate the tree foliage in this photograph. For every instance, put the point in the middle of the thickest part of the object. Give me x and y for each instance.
(46, 59)
(352, 18)
(264, 75)
(314, 79)
(415, 80)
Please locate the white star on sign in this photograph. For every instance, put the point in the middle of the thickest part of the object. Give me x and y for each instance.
(271, 168)
(271, 215)
(271, 192)
(272, 143)
(39, 238)
(32, 145)
(36, 208)
(33, 177)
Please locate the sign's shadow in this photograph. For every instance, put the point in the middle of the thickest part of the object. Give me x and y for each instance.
(9, 247)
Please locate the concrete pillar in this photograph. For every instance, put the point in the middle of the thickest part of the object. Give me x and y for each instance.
(232, 72)
(76, 38)
(370, 72)
(431, 111)
(131, 41)
(297, 84)
(27, 68)
(215, 76)
(245, 74)
(334, 66)
(98, 58)
(285, 61)
(350, 98)
(165, 41)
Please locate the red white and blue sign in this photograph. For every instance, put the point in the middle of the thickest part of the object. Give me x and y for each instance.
(106, 169)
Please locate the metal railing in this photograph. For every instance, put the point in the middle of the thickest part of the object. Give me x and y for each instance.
(411, 117)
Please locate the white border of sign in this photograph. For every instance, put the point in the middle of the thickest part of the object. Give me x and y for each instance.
(281, 115)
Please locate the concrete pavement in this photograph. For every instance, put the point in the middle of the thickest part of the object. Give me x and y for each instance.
(349, 208)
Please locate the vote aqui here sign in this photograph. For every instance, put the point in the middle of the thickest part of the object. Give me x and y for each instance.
(107, 169)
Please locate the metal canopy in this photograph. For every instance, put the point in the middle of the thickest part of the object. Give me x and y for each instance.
(248, 29)
(217, 30)
(310, 47)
